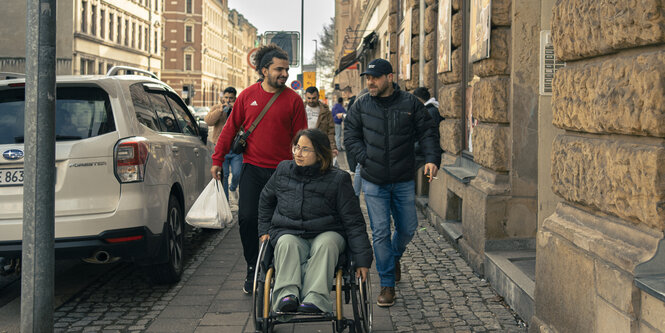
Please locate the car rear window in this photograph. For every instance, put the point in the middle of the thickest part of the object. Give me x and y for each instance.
(80, 113)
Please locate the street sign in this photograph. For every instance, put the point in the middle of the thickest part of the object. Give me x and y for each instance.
(289, 41)
(295, 85)
(309, 79)
(322, 94)
(250, 57)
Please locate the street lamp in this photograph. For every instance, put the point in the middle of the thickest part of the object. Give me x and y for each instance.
(316, 67)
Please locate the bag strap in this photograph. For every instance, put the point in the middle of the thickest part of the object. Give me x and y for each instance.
(263, 112)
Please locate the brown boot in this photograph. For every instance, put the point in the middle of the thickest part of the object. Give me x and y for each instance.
(398, 271)
(386, 297)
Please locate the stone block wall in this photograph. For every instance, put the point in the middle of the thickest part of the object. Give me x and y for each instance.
(607, 167)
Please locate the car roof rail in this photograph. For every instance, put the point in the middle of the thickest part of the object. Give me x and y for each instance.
(116, 69)
(11, 75)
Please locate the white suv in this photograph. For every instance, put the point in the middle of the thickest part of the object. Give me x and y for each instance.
(130, 161)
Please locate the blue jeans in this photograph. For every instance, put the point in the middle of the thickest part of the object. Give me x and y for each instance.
(357, 180)
(338, 136)
(234, 161)
(398, 200)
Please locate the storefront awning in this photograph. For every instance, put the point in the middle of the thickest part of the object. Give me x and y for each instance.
(369, 43)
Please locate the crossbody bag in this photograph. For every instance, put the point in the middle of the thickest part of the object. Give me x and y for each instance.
(240, 141)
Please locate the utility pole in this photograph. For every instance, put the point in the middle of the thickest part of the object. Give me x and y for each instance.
(302, 35)
(38, 258)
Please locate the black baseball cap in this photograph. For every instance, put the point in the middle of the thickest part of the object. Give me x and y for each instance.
(378, 67)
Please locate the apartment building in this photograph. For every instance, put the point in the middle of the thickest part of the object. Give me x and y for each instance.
(92, 36)
(205, 46)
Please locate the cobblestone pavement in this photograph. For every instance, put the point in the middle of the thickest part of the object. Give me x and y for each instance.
(438, 293)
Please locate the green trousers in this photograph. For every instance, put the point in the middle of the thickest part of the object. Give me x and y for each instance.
(306, 268)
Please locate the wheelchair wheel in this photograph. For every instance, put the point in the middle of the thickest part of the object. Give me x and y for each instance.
(362, 307)
(261, 296)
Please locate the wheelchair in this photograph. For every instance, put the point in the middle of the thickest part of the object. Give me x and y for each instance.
(346, 286)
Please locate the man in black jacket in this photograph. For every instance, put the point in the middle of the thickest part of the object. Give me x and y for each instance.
(380, 130)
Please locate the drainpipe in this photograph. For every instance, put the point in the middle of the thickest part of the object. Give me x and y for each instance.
(421, 49)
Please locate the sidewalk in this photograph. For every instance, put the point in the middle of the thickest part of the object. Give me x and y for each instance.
(438, 293)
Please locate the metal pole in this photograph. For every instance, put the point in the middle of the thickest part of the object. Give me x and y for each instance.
(302, 36)
(421, 49)
(316, 63)
(38, 262)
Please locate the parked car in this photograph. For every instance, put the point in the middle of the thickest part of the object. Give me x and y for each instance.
(130, 162)
(200, 112)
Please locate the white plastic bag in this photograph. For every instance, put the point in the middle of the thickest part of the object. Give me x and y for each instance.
(211, 209)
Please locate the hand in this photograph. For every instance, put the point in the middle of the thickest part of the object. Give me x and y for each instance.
(430, 171)
(216, 172)
(335, 152)
(362, 271)
(264, 238)
(339, 115)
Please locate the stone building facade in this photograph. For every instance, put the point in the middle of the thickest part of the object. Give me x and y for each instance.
(205, 45)
(555, 197)
(93, 36)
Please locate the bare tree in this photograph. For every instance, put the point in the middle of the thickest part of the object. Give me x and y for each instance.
(325, 55)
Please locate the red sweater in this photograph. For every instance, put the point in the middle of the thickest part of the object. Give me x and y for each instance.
(270, 142)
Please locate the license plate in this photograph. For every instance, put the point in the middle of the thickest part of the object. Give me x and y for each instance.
(11, 177)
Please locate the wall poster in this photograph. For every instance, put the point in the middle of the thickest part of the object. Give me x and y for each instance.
(479, 39)
(444, 30)
(404, 41)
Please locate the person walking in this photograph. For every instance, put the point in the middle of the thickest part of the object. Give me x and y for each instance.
(232, 162)
(338, 113)
(319, 116)
(381, 128)
(267, 145)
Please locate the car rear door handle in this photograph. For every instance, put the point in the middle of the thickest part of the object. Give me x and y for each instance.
(174, 149)
(196, 151)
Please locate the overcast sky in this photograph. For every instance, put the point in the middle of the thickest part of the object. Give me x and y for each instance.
(278, 15)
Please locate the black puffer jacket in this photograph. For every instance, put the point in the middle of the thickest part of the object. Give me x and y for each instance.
(302, 201)
(381, 132)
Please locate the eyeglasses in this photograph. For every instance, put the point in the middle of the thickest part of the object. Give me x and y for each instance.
(303, 150)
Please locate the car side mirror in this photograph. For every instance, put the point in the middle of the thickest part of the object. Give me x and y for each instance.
(203, 130)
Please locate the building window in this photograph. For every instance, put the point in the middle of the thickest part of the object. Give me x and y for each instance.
(133, 34)
(102, 24)
(188, 62)
(156, 5)
(146, 43)
(156, 41)
(93, 20)
(127, 32)
(111, 30)
(188, 6)
(140, 39)
(100, 67)
(118, 36)
(84, 16)
(188, 34)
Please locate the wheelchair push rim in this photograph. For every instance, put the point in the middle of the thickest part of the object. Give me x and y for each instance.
(365, 289)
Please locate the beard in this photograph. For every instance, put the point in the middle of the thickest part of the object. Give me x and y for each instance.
(273, 81)
(379, 89)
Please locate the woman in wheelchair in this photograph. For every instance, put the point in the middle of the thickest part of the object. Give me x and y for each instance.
(310, 214)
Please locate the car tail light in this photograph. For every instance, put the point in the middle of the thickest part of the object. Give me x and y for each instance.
(124, 239)
(131, 156)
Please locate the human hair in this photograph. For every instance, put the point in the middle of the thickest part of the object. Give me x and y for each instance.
(230, 90)
(422, 93)
(321, 145)
(340, 100)
(265, 54)
(311, 90)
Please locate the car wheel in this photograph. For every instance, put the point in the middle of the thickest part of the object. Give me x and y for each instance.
(174, 236)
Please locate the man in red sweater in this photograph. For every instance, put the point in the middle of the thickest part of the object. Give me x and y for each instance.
(267, 145)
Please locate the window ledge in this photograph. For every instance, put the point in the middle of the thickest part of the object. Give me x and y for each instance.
(463, 169)
(652, 285)
(650, 275)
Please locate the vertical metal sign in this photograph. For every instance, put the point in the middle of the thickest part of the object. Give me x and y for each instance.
(38, 261)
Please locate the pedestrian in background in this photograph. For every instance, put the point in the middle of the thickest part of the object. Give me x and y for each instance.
(232, 162)
(267, 145)
(338, 113)
(380, 130)
(319, 116)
